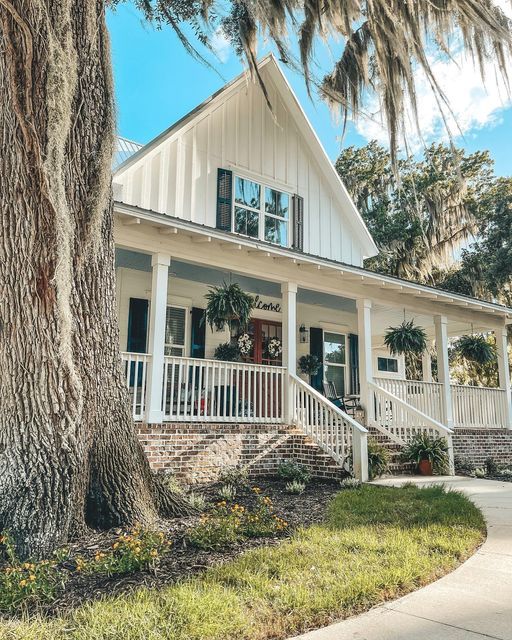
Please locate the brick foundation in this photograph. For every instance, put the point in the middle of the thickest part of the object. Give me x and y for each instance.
(479, 444)
(197, 452)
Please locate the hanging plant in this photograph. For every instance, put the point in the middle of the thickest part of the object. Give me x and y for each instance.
(475, 348)
(406, 338)
(228, 305)
(227, 352)
(309, 364)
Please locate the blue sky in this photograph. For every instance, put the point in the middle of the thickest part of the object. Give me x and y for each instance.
(157, 82)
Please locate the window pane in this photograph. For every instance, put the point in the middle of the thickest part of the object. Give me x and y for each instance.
(276, 231)
(276, 203)
(392, 365)
(336, 375)
(175, 327)
(246, 222)
(382, 364)
(334, 347)
(247, 192)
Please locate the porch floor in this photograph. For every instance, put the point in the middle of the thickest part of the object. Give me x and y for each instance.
(470, 603)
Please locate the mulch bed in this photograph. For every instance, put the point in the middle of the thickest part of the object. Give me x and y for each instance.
(183, 560)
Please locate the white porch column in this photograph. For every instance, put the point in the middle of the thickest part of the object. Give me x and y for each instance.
(158, 309)
(289, 317)
(364, 324)
(504, 370)
(443, 369)
(426, 366)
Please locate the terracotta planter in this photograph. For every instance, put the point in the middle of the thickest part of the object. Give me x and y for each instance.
(425, 467)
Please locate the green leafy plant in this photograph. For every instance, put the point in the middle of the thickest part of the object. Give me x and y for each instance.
(463, 466)
(292, 470)
(132, 551)
(378, 459)
(196, 501)
(295, 486)
(491, 467)
(227, 352)
(26, 585)
(227, 492)
(480, 472)
(426, 447)
(475, 349)
(406, 338)
(228, 305)
(350, 483)
(309, 364)
(235, 476)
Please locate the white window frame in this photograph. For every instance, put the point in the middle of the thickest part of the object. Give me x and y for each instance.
(185, 346)
(336, 364)
(387, 372)
(262, 214)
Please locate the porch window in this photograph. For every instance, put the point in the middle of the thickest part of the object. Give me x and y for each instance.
(335, 359)
(389, 365)
(175, 331)
(261, 212)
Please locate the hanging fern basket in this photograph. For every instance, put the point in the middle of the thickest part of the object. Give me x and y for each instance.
(475, 349)
(406, 338)
(227, 305)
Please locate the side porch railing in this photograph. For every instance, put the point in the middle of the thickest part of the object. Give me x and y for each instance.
(212, 390)
(135, 367)
(479, 407)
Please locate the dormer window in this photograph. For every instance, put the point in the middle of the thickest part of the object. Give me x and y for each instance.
(261, 212)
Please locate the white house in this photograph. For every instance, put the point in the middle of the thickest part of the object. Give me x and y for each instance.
(236, 193)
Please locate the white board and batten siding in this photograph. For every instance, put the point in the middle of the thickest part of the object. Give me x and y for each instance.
(177, 174)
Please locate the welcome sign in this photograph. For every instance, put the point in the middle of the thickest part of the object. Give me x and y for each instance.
(266, 306)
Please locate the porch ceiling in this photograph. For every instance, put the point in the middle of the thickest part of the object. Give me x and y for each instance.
(150, 232)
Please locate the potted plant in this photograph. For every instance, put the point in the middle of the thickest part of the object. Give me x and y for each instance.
(227, 352)
(309, 365)
(429, 453)
(406, 338)
(228, 305)
(274, 348)
(475, 348)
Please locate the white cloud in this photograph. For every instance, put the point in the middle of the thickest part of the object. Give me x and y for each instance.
(473, 104)
(221, 45)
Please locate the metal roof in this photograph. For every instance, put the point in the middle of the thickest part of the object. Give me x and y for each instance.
(124, 149)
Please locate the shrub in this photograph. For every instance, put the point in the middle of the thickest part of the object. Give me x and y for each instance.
(295, 486)
(378, 459)
(463, 466)
(506, 473)
(132, 551)
(350, 483)
(196, 501)
(290, 471)
(480, 472)
(491, 467)
(26, 585)
(235, 476)
(215, 530)
(170, 482)
(227, 492)
(426, 447)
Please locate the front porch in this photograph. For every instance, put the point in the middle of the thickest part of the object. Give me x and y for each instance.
(173, 377)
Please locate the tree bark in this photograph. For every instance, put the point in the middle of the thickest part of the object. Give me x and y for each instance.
(69, 455)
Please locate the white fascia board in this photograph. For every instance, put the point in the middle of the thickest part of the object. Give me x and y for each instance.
(365, 276)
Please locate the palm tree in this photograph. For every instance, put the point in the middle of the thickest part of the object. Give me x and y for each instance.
(69, 456)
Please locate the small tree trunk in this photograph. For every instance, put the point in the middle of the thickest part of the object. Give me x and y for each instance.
(69, 455)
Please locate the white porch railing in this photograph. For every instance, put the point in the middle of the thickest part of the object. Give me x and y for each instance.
(334, 430)
(424, 396)
(135, 371)
(400, 420)
(479, 407)
(212, 390)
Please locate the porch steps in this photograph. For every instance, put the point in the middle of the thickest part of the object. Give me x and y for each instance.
(396, 466)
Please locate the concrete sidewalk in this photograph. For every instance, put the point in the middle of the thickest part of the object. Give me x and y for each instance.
(474, 601)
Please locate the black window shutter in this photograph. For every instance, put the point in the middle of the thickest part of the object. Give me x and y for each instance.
(224, 198)
(298, 222)
(353, 341)
(316, 348)
(198, 333)
(137, 325)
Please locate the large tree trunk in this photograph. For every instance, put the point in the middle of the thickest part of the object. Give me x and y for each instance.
(69, 455)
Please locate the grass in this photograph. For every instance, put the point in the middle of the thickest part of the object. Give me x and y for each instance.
(377, 543)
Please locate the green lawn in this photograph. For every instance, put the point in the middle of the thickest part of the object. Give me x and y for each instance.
(377, 543)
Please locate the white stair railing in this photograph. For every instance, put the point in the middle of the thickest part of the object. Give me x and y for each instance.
(332, 429)
(135, 367)
(401, 421)
(425, 396)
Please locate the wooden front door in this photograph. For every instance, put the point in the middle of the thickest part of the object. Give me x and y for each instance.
(261, 332)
